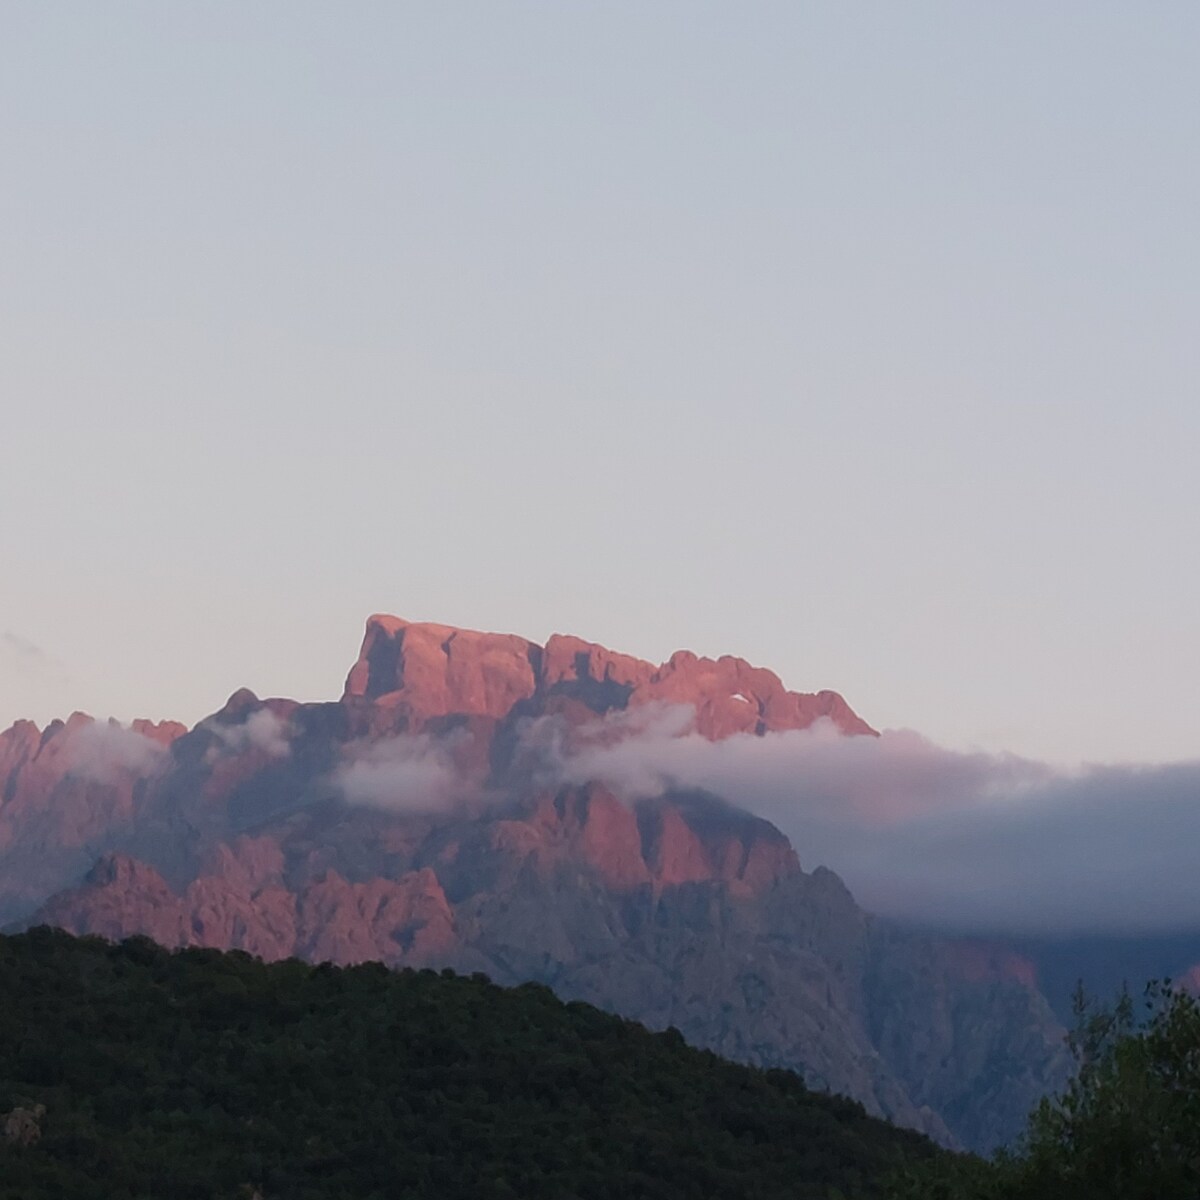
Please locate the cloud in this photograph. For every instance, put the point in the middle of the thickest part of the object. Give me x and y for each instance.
(631, 750)
(412, 773)
(964, 841)
(1109, 849)
(107, 752)
(27, 660)
(262, 730)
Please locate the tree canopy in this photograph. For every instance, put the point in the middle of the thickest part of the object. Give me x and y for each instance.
(139, 1073)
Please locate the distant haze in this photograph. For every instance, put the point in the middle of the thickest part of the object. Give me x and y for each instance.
(859, 341)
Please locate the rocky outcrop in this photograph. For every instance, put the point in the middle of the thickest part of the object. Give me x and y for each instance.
(234, 906)
(436, 670)
(23, 1126)
(67, 792)
(119, 897)
(427, 671)
(675, 910)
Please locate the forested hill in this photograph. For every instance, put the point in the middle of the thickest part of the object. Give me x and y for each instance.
(201, 1074)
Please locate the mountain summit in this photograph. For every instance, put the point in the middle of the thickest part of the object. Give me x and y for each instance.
(417, 821)
(428, 671)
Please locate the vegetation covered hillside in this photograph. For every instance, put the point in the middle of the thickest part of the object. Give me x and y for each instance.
(129, 1071)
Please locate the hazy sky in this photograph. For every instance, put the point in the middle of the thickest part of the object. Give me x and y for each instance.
(859, 340)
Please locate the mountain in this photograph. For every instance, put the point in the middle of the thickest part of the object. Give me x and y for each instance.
(427, 818)
(1104, 965)
(231, 1077)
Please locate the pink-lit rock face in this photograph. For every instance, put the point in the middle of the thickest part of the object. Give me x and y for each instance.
(232, 905)
(121, 896)
(604, 834)
(430, 671)
(404, 920)
(65, 791)
(436, 670)
(161, 732)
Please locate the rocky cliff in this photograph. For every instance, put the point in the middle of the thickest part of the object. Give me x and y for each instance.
(412, 822)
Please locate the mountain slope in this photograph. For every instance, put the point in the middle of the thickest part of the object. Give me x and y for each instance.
(414, 822)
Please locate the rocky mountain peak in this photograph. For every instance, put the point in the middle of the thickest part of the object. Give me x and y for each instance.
(438, 670)
(432, 671)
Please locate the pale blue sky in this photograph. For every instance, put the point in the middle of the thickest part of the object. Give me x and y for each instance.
(859, 340)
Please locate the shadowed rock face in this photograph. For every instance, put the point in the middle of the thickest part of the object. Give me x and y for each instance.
(682, 910)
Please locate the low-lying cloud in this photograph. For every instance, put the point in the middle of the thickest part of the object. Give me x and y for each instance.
(963, 841)
(412, 773)
(107, 752)
(262, 730)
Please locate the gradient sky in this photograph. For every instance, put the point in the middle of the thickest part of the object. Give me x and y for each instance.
(858, 340)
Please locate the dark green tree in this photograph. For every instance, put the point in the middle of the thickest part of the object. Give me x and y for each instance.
(132, 1072)
(1127, 1127)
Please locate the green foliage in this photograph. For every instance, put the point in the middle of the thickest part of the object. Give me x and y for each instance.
(198, 1075)
(1127, 1128)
